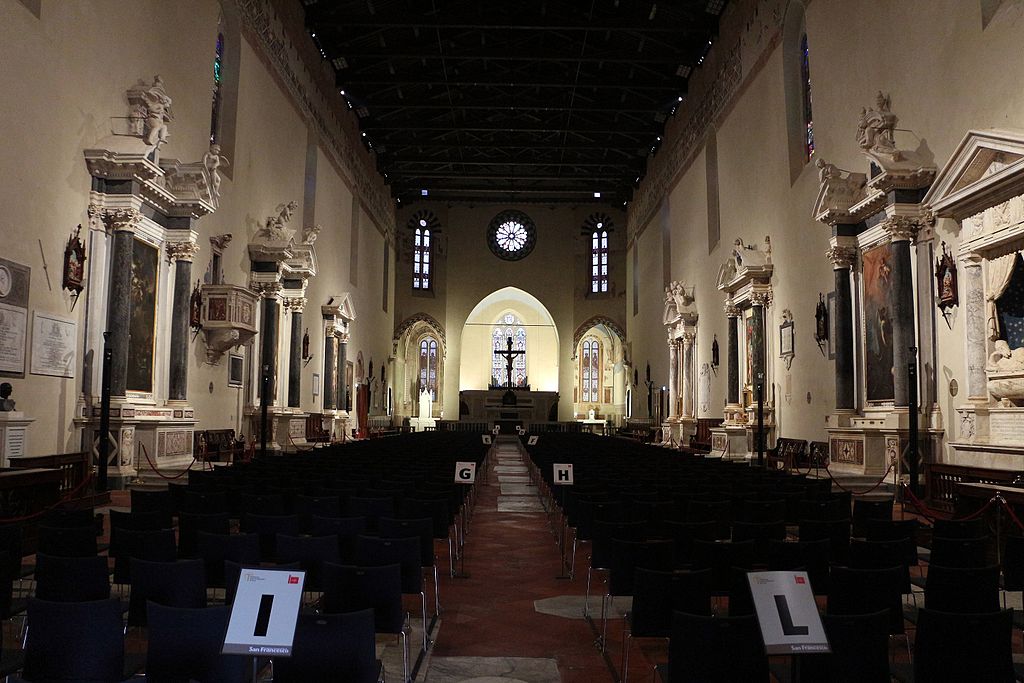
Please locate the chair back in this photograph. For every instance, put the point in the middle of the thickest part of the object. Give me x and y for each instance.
(860, 650)
(348, 588)
(72, 579)
(716, 650)
(59, 647)
(184, 644)
(962, 590)
(332, 647)
(964, 647)
(172, 584)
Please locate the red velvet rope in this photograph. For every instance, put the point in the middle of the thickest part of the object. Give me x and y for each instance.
(145, 451)
(65, 498)
(1009, 511)
(858, 493)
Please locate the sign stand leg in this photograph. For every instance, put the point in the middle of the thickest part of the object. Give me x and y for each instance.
(255, 669)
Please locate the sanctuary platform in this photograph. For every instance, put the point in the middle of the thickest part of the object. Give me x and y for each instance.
(530, 407)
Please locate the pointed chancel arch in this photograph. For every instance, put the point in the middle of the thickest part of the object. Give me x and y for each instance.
(541, 337)
(600, 378)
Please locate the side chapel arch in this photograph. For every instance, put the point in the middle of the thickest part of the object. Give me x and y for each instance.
(409, 337)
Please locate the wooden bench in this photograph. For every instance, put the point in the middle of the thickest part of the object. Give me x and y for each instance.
(700, 441)
(214, 444)
(315, 432)
(787, 454)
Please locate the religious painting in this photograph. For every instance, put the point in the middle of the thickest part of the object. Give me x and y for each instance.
(945, 281)
(878, 352)
(749, 335)
(217, 308)
(347, 398)
(1010, 307)
(142, 317)
(74, 264)
(236, 369)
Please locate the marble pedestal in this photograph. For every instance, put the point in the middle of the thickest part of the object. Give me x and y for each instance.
(336, 424)
(165, 433)
(871, 441)
(13, 436)
(729, 441)
(420, 424)
(988, 436)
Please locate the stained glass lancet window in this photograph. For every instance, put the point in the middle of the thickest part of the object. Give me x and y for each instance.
(599, 260)
(805, 85)
(590, 371)
(428, 366)
(218, 75)
(508, 326)
(421, 258)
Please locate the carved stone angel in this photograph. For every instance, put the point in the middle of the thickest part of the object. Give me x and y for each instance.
(157, 114)
(213, 160)
(276, 228)
(310, 234)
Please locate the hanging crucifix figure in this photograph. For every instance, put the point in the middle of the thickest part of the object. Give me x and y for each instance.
(509, 354)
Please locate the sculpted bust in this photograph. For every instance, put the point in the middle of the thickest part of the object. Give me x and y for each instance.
(6, 402)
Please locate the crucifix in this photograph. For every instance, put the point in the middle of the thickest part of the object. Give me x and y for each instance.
(509, 355)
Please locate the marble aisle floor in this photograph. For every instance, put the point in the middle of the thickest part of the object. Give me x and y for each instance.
(492, 629)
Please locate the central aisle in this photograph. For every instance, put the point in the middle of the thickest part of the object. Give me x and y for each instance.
(512, 560)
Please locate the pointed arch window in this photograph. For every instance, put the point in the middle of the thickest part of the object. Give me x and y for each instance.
(218, 75)
(421, 261)
(590, 371)
(510, 326)
(428, 366)
(599, 260)
(805, 85)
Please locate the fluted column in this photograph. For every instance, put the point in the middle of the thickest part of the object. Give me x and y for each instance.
(673, 378)
(974, 303)
(182, 254)
(733, 355)
(688, 339)
(268, 333)
(123, 222)
(902, 230)
(296, 305)
(842, 259)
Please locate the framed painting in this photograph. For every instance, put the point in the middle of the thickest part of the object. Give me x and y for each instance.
(878, 350)
(236, 369)
(142, 316)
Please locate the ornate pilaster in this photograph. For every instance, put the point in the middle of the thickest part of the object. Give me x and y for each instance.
(181, 254)
(688, 370)
(673, 379)
(842, 259)
(122, 222)
(974, 303)
(296, 306)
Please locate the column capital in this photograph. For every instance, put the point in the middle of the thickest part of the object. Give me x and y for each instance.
(342, 337)
(901, 228)
(761, 299)
(971, 259)
(841, 257)
(122, 219)
(266, 290)
(295, 304)
(731, 309)
(688, 339)
(181, 251)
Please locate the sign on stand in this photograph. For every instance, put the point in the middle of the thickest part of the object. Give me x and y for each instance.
(562, 474)
(786, 611)
(465, 472)
(532, 441)
(486, 438)
(264, 614)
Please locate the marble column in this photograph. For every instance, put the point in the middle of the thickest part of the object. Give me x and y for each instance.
(688, 411)
(842, 259)
(268, 332)
(760, 301)
(342, 358)
(974, 303)
(330, 370)
(673, 378)
(901, 303)
(733, 355)
(296, 306)
(123, 222)
(182, 253)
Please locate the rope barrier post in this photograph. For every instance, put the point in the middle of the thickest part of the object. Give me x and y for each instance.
(264, 402)
(760, 420)
(913, 447)
(999, 528)
(104, 443)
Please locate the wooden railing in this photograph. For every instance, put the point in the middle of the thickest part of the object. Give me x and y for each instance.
(73, 467)
(941, 482)
(462, 426)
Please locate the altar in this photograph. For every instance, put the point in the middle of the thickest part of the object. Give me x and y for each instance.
(485, 405)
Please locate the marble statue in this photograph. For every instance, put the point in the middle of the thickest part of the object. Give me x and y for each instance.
(1005, 360)
(876, 126)
(310, 234)
(157, 113)
(276, 228)
(677, 299)
(213, 160)
(6, 402)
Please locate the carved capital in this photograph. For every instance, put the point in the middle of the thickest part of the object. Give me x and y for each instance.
(181, 251)
(688, 339)
(342, 337)
(295, 304)
(841, 257)
(761, 299)
(220, 242)
(122, 220)
(266, 290)
(901, 228)
(731, 310)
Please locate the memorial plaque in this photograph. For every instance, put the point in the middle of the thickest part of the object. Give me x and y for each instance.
(14, 287)
(53, 345)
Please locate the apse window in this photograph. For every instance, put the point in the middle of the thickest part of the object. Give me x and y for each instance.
(599, 260)
(511, 235)
(424, 227)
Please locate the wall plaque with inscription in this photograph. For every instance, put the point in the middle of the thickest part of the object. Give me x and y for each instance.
(53, 345)
(14, 287)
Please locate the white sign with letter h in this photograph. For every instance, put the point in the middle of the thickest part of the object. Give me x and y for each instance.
(563, 474)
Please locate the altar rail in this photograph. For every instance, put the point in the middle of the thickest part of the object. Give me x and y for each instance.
(941, 482)
(73, 467)
(461, 426)
(548, 427)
